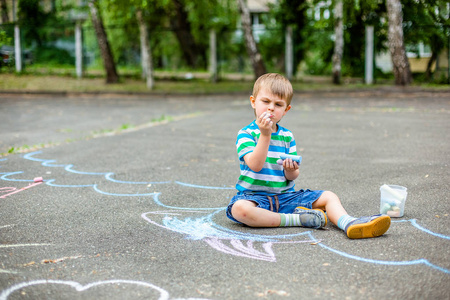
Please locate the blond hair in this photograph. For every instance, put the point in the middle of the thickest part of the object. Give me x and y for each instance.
(276, 84)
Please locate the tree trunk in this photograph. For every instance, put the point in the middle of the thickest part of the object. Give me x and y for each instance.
(146, 53)
(252, 49)
(339, 42)
(428, 72)
(102, 39)
(4, 7)
(400, 63)
(179, 22)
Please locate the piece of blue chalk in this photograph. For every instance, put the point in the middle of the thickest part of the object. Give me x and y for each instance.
(295, 158)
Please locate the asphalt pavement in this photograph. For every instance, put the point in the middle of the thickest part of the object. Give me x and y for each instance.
(134, 187)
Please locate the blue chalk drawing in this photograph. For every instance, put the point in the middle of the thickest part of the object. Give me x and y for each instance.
(386, 262)
(414, 223)
(157, 201)
(106, 175)
(7, 174)
(204, 187)
(198, 223)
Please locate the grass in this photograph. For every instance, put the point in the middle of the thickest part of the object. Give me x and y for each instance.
(167, 83)
(56, 83)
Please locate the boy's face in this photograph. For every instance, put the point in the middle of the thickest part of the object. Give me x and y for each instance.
(266, 102)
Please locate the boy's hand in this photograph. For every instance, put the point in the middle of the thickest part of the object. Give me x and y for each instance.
(291, 170)
(264, 123)
(290, 165)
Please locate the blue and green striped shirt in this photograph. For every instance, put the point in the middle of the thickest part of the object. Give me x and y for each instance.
(270, 180)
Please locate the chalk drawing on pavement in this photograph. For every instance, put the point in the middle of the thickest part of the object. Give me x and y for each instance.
(198, 223)
(16, 246)
(146, 287)
(242, 244)
(8, 191)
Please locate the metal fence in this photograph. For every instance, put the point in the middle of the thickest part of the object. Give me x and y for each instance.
(58, 52)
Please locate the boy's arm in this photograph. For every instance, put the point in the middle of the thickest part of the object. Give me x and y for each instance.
(255, 160)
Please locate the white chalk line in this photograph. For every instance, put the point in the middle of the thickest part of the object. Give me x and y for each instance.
(163, 294)
(22, 245)
(6, 226)
(8, 271)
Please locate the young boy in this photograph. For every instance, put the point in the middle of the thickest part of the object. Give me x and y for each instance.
(266, 195)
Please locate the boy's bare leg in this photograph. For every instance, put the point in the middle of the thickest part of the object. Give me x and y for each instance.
(355, 228)
(246, 212)
(330, 203)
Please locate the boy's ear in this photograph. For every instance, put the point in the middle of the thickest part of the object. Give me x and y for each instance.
(252, 101)
(288, 108)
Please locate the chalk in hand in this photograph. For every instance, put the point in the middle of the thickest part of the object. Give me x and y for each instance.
(296, 158)
(266, 115)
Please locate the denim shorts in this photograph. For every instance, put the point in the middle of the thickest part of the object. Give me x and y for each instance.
(282, 203)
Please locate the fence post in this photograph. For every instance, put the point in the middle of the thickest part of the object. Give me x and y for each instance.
(17, 49)
(369, 55)
(78, 17)
(213, 55)
(289, 53)
(78, 49)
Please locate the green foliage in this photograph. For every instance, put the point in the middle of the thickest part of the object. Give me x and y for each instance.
(201, 15)
(294, 13)
(4, 38)
(425, 21)
(315, 64)
(166, 50)
(53, 56)
(231, 54)
(38, 25)
(32, 18)
(126, 126)
(272, 49)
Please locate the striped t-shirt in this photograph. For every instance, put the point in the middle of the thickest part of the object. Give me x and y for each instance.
(270, 180)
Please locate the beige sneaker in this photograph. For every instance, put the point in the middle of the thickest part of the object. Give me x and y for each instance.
(368, 227)
(311, 218)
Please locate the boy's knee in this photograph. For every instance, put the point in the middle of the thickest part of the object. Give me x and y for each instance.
(241, 209)
(330, 196)
(327, 198)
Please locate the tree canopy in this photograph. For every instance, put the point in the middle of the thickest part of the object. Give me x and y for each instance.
(179, 31)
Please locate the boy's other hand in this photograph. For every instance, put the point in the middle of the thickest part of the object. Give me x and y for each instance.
(291, 170)
(290, 165)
